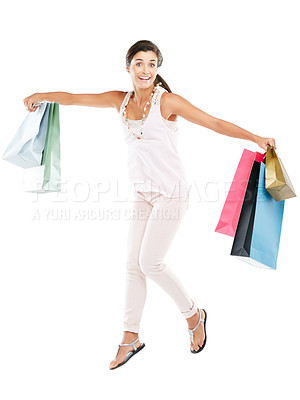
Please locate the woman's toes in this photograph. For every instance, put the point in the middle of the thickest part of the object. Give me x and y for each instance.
(112, 364)
(120, 357)
(196, 346)
(115, 361)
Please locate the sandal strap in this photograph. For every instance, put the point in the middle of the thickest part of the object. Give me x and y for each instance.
(130, 344)
(192, 330)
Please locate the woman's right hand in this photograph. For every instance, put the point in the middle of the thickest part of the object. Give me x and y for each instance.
(30, 100)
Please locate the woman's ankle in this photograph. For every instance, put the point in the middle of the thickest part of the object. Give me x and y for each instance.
(130, 336)
(193, 320)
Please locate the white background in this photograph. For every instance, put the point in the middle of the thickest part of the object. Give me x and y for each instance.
(62, 281)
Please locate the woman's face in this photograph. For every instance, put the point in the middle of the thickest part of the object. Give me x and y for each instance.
(143, 65)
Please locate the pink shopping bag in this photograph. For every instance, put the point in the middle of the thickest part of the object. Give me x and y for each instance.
(233, 204)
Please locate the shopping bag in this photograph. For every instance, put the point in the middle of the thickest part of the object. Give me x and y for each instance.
(277, 181)
(242, 238)
(47, 176)
(258, 236)
(25, 150)
(232, 207)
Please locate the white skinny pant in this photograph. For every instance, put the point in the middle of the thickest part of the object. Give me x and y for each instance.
(154, 222)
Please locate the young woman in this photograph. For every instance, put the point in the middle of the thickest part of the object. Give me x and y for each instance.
(148, 116)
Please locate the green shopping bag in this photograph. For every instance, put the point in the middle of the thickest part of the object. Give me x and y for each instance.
(47, 176)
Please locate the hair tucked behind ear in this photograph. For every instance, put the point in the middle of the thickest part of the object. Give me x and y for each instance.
(147, 45)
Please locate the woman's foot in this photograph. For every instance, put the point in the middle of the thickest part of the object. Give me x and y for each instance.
(199, 334)
(128, 337)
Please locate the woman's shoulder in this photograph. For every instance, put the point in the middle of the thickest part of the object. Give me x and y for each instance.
(166, 103)
(120, 97)
(170, 98)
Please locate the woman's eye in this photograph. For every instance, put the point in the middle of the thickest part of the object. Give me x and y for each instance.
(138, 64)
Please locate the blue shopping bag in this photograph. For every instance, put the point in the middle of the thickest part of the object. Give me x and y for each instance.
(259, 228)
(26, 148)
(267, 225)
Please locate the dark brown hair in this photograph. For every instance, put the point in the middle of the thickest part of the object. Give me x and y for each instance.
(147, 45)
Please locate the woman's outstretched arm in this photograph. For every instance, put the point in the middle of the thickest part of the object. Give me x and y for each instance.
(106, 99)
(175, 104)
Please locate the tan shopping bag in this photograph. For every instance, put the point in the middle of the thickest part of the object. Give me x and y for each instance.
(277, 181)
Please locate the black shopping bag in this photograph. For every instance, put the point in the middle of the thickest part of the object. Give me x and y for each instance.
(242, 239)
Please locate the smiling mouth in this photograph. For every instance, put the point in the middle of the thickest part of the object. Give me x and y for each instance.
(144, 79)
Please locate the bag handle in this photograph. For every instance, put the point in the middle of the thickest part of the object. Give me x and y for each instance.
(38, 103)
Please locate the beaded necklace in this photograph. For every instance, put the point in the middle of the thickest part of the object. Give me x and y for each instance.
(144, 113)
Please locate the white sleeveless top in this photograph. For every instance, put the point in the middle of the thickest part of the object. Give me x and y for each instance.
(153, 161)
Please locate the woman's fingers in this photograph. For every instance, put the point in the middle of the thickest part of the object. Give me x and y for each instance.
(264, 142)
(271, 142)
(29, 101)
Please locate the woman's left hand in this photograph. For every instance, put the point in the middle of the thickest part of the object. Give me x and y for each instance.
(264, 142)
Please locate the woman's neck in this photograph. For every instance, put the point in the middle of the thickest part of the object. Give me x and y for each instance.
(141, 96)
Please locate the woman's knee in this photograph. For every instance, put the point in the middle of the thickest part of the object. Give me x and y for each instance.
(133, 267)
(151, 266)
